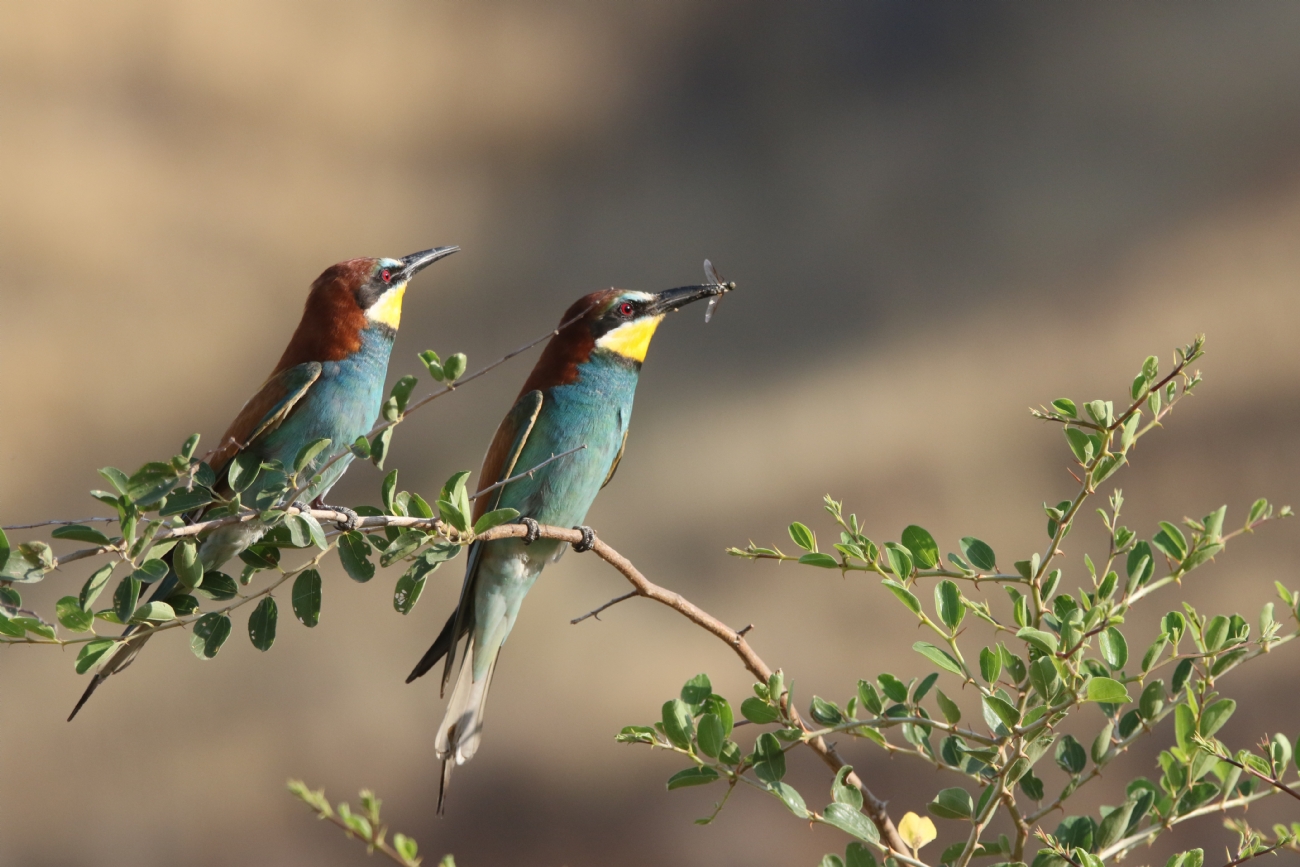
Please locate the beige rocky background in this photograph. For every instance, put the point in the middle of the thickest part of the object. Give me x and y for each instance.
(939, 215)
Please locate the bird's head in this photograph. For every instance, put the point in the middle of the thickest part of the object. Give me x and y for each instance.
(351, 297)
(380, 285)
(614, 323)
(622, 322)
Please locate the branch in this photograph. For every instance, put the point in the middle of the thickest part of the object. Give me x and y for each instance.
(875, 808)
(1152, 830)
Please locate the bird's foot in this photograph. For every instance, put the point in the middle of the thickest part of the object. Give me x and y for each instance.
(352, 519)
(588, 539)
(534, 531)
(302, 507)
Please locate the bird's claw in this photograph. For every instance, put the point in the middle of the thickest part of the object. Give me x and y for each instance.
(351, 519)
(534, 531)
(302, 507)
(588, 539)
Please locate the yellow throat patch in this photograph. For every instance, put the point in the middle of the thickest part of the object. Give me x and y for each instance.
(388, 309)
(632, 339)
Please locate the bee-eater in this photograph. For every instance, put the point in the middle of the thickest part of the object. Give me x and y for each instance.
(329, 383)
(579, 394)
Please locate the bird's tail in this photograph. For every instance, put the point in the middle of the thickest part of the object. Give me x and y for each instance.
(120, 659)
(125, 655)
(462, 726)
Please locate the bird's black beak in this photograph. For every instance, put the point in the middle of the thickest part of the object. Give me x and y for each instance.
(670, 300)
(417, 262)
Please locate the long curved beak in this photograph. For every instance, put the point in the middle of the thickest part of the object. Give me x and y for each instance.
(670, 300)
(417, 262)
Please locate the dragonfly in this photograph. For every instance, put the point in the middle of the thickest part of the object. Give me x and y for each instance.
(711, 278)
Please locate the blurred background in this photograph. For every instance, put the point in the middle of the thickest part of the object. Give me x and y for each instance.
(939, 214)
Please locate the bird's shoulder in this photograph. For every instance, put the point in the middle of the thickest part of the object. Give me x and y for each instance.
(265, 411)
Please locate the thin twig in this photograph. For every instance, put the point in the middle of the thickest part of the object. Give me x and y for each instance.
(515, 478)
(611, 603)
(59, 523)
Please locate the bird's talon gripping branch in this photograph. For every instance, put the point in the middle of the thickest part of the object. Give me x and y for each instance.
(588, 539)
(352, 519)
(534, 530)
(302, 507)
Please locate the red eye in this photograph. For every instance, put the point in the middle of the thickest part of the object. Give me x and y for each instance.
(385, 275)
(625, 308)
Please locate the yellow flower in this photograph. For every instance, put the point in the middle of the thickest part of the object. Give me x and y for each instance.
(916, 831)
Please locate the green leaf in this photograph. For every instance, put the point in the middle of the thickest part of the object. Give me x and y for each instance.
(636, 735)
(924, 550)
(243, 471)
(308, 453)
(947, 602)
(893, 688)
(261, 624)
(1171, 541)
(710, 736)
(404, 545)
(990, 664)
(803, 537)
(769, 760)
(758, 711)
(678, 724)
(938, 657)
(454, 367)
(825, 712)
(95, 585)
(180, 501)
(954, 803)
(411, 585)
(1112, 827)
(1106, 690)
(1216, 633)
(495, 518)
(1004, 710)
(188, 568)
(126, 597)
(696, 691)
(94, 652)
(209, 633)
(793, 801)
(80, 533)
(850, 821)
(360, 448)
(900, 561)
(158, 612)
(379, 447)
(4, 548)
(1065, 407)
(306, 597)
(948, 707)
(979, 554)
(218, 586)
(844, 792)
(1044, 641)
(402, 391)
(433, 364)
(354, 554)
(1071, 756)
(825, 561)
(1215, 715)
(857, 855)
(1080, 443)
(904, 595)
(1114, 649)
(692, 777)
(72, 615)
